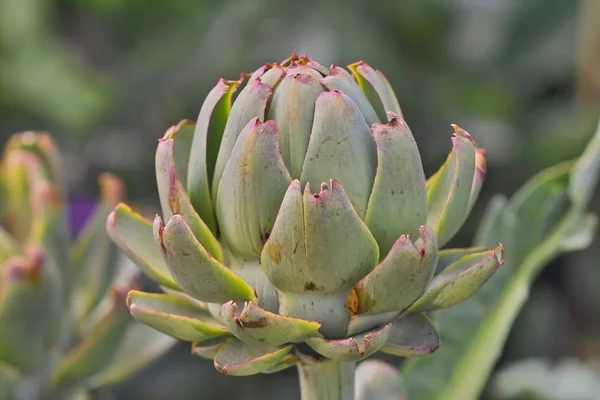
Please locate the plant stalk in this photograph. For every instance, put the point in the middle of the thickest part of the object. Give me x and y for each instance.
(330, 380)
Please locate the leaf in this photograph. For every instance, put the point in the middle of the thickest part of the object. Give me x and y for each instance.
(27, 311)
(195, 270)
(533, 230)
(133, 234)
(140, 346)
(9, 378)
(97, 348)
(237, 358)
(353, 348)
(174, 315)
(93, 255)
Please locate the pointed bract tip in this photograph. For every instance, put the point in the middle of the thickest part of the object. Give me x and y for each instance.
(460, 132)
(112, 189)
(288, 61)
(307, 188)
(255, 121)
(335, 69)
(29, 268)
(269, 126)
(128, 300)
(175, 128)
(394, 116)
(303, 59)
(356, 64)
(499, 254)
(46, 195)
(158, 228)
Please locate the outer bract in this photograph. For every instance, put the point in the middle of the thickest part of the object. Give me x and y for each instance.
(298, 226)
(64, 325)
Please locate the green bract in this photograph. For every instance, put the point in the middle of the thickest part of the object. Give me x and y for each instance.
(298, 227)
(63, 321)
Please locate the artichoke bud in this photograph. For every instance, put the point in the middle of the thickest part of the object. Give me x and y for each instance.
(299, 212)
(42, 146)
(24, 316)
(42, 311)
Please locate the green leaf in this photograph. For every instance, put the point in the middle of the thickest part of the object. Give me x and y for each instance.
(195, 270)
(449, 189)
(586, 171)
(252, 187)
(353, 348)
(236, 358)
(340, 79)
(250, 103)
(174, 315)
(27, 311)
(133, 234)
(412, 335)
(41, 145)
(98, 346)
(170, 180)
(21, 170)
(259, 328)
(205, 147)
(209, 348)
(293, 109)
(321, 230)
(460, 280)
(341, 147)
(401, 277)
(8, 246)
(9, 379)
(474, 332)
(140, 346)
(398, 203)
(93, 255)
(370, 81)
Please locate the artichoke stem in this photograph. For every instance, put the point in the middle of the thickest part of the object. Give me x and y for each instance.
(332, 380)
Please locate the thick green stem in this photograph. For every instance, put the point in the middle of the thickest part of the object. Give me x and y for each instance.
(330, 380)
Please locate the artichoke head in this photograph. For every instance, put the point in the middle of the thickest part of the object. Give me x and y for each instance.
(297, 223)
(62, 294)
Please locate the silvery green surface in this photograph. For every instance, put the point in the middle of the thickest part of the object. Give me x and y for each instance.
(64, 327)
(298, 227)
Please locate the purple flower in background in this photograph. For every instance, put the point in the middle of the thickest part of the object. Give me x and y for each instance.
(80, 210)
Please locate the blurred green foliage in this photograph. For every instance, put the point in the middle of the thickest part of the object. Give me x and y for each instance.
(108, 77)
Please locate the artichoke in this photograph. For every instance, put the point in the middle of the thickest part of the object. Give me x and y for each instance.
(64, 327)
(298, 227)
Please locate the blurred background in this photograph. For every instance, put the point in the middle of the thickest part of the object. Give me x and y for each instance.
(108, 77)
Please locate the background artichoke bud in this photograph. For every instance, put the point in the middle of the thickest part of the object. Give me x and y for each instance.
(298, 225)
(59, 324)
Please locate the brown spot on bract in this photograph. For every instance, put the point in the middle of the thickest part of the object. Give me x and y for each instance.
(259, 323)
(353, 302)
(274, 251)
(310, 286)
